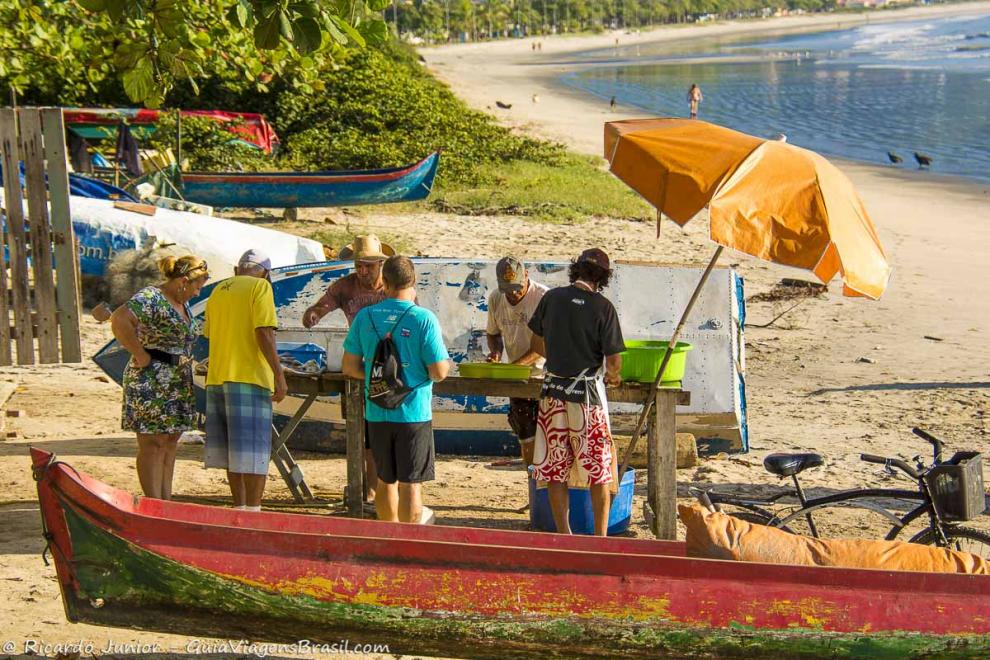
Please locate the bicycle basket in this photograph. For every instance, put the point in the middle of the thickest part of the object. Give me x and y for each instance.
(957, 486)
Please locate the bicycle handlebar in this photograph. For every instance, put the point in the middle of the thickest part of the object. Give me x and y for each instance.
(896, 462)
(925, 435)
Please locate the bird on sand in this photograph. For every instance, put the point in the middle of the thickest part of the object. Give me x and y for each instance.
(894, 158)
(504, 106)
(923, 160)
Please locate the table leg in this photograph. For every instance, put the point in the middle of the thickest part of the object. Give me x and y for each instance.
(290, 427)
(662, 489)
(290, 472)
(652, 468)
(354, 423)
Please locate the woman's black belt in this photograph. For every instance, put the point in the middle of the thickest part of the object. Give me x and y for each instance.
(162, 356)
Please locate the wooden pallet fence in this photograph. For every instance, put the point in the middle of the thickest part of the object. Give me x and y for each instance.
(39, 277)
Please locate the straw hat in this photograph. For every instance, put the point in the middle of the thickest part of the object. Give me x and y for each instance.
(366, 248)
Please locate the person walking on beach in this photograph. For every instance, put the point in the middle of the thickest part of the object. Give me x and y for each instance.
(577, 328)
(694, 98)
(243, 379)
(509, 311)
(158, 329)
(350, 294)
(401, 437)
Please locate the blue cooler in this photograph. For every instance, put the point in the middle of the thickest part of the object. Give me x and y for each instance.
(581, 515)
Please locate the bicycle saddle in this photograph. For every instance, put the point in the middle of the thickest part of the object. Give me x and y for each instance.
(787, 465)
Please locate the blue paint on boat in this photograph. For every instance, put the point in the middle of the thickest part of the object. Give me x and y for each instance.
(312, 189)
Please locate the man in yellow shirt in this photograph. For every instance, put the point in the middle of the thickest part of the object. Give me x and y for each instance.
(243, 379)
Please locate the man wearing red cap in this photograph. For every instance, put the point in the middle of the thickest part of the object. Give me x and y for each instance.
(577, 329)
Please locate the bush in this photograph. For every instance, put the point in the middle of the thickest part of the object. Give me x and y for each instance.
(380, 109)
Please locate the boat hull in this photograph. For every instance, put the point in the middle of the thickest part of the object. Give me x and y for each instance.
(126, 561)
(315, 189)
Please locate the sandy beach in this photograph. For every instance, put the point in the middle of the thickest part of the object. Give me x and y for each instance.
(836, 375)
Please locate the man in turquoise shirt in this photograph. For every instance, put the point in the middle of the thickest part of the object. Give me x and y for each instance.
(401, 439)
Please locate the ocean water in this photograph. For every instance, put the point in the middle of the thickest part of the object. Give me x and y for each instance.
(905, 87)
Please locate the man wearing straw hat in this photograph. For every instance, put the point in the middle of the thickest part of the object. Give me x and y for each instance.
(354, 292)
(350, 294)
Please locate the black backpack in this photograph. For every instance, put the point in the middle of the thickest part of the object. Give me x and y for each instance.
(386, 388)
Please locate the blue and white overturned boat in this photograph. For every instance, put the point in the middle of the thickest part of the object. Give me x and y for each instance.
(103, 230)
(649, 300)
(312, 189)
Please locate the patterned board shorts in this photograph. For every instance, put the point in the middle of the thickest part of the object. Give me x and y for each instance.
(567, 431)
(238, 427)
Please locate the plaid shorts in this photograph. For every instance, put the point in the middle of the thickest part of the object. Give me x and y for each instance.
(238, 428)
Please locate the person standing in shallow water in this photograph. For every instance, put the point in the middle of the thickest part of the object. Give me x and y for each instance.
(694, 98)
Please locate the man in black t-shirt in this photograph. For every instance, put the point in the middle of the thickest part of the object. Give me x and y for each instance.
(577, 329)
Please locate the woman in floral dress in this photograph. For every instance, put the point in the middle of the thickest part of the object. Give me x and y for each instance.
(158, 329)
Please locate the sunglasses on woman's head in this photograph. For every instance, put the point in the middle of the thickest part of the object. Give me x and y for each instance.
(187, 269)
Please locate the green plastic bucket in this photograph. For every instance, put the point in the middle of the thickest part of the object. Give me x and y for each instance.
(642, 358)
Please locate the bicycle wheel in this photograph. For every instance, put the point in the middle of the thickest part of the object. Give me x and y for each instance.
(966, 539)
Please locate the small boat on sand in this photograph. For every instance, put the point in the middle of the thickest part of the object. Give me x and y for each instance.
(312, 189)
(133, 562)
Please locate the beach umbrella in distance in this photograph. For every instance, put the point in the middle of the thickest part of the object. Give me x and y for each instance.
(766, 198)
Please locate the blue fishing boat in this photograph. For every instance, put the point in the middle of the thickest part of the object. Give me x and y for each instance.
(312, 189)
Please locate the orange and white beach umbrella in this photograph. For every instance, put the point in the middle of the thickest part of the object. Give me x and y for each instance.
(765, 198)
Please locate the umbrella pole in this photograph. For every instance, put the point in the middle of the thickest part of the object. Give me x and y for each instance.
(648, 404)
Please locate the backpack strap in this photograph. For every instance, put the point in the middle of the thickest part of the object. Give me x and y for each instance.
(394, 326)
(371, 318)
(398, 321)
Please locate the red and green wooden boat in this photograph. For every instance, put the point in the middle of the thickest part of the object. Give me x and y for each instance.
(128, 561)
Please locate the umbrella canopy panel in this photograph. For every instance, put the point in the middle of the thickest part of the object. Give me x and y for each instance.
(768, 199)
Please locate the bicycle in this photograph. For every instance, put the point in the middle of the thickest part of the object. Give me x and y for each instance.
(948, 492)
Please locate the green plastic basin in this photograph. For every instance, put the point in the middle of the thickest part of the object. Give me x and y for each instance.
(642, 358)
(496, 370)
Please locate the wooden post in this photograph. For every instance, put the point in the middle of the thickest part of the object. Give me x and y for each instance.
(663, 460)
(67, 278)
(16, 239)
(32, 152)
(5, 356)
(652, 470)
(354, 497)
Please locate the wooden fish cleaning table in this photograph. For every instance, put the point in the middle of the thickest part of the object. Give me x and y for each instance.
(661, 477)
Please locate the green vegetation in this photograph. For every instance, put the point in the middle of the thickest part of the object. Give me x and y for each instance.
(381, 109)
(573, 190)
(459, 20)
(348, 109)
(72, 50)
